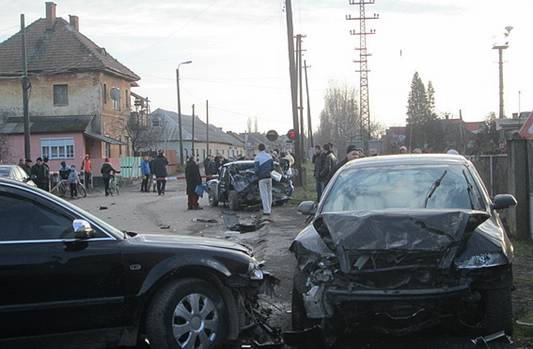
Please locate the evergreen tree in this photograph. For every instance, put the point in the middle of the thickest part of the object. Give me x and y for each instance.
(431, 98)
(422, 124)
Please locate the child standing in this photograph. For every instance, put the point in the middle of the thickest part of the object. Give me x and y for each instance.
(73, 181)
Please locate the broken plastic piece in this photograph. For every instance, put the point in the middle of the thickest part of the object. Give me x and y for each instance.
(491, 338)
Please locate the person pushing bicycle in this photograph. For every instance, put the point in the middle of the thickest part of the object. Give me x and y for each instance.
(108, 172)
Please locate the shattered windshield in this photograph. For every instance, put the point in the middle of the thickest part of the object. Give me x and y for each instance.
(403, 186)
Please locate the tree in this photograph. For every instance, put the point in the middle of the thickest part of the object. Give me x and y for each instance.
(422, 125)
(141, 134)
(249, 125)
(4, 149)
(431, 98)
(339, 120)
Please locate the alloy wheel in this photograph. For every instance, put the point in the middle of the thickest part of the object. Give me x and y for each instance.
(195, 322)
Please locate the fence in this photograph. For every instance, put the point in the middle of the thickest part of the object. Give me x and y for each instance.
(130, 167)
(493, 170)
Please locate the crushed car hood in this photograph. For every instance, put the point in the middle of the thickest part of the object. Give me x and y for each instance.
(439, 233)
(188, 241)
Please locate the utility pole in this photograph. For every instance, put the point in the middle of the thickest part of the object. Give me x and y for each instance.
(179, 109)
(192, 141)
(25, 88)
(294, 91)
(462, 131)
(501, 47)
(364, 100)
(207, 129)
(309, 125)
(519, 103)
(299, 54)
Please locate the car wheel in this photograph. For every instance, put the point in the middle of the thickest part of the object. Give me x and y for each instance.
(187, 313)
(233, 200)
(497, 311)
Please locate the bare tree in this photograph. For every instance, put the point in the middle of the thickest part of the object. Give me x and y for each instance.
(4, 149)
(339, 120)
(142, 135)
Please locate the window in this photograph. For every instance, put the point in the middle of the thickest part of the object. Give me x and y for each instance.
(156, 122)
(115, 96)
(127, 95)
(105, 93)
(60, 95)
(107, 150)
(57, 148)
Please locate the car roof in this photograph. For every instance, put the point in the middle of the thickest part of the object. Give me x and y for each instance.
(409, 159)
(14, 183)
(10, 166)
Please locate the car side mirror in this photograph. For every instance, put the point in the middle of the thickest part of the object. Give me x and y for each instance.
(503, 201)
(82, 229)
(307, 208)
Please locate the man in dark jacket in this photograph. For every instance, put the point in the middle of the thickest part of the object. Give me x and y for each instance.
(27, 167)
(107, 172)
(318, 158)
(193, 179)
(329, 162)
(39, 174)
(159, 168)
(352, 153)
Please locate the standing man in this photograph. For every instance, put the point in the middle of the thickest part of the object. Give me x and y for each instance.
(27, 167)
(87, 169)
(328, 165)
(160, 171)
(145, 172)
(107, 172)
(46, 173)
(38, 174)
(263, 168)
(193, 179)
(352, 153)
(318, 158)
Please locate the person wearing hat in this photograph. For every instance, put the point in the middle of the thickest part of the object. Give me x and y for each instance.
(27, 167)
(352, 153)
(38, 174)
(159, 168)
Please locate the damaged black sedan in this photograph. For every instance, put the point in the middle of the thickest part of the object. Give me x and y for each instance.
(402, 243)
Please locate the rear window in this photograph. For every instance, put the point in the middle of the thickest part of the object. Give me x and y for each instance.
(4, 171)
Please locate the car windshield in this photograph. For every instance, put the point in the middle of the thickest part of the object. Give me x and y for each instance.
(404, 187)
(4, 171)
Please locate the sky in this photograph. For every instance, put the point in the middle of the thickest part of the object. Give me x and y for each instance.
(240, 59)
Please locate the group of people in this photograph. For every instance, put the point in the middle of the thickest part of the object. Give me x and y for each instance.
(39, 173)
(213, 164)
(154, 168)
(326, 164)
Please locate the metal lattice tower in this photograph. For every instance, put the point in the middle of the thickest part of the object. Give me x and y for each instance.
(364, 101)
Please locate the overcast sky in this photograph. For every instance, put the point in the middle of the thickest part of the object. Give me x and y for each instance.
(240, 60)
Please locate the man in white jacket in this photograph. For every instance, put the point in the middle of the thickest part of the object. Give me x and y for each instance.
(263, 168)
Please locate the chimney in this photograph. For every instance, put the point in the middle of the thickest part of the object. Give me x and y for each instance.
(50, 15)
(74, 22)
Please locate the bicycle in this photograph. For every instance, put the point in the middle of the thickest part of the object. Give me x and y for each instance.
(63, 187)
(114, 186)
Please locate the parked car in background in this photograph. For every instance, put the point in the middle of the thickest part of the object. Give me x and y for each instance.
(67, 274)
(16, 173)
(402, 243)
(237, 185)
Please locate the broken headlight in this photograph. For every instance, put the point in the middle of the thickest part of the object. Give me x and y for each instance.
(483, 260)
(254, 270)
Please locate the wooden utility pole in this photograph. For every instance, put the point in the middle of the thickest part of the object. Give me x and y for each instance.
(192, 141)
(294, 91)
(301, 132)
(309, 125)
(25, 88)
(207, 130)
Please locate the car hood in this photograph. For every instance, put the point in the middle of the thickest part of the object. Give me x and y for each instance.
(190, 241)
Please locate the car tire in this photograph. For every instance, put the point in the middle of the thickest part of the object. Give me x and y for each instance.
(173, 309)
(497, 311)
(233, 200)
(212, 201)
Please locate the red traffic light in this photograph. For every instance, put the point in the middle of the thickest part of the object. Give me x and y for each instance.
(292, 134)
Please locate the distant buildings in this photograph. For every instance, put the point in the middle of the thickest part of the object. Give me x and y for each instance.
(80, 95)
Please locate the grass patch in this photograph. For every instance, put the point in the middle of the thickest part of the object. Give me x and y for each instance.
(307, 192)
(523, 334)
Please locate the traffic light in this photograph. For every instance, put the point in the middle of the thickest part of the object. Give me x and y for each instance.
(292, 135)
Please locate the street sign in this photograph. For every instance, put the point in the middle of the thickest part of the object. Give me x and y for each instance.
(272, 135)
(292, 134)
(526, 132)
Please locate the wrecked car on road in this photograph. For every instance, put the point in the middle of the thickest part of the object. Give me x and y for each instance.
(237, 185)
(401, 243)
(68, 275)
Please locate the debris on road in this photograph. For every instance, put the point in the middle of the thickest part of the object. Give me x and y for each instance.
(204, 220)
(234, 223)
(102, 208)
(491, 338)
(164, 227)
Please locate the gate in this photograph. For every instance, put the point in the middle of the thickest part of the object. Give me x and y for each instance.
(130, 167)
(493, 170)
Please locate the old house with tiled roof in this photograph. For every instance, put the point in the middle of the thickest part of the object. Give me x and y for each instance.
(80, 97)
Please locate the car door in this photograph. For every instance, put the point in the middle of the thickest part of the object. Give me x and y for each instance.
(51, 282)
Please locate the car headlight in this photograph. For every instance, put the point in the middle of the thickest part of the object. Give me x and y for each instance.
(254, 271)
(483, 260)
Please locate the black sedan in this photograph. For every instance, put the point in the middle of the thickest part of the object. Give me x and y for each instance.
(402, 243)
(66, 272)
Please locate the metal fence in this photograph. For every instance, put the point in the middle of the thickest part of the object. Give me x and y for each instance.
(493, 170)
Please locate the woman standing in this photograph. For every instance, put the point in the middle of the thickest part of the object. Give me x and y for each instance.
(193, 178)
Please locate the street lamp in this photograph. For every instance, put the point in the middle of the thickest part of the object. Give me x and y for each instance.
(500, 47)
(179, 109)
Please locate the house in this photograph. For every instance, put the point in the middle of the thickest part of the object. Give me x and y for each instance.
(80, 95)
(394, 138)
(220, 143)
